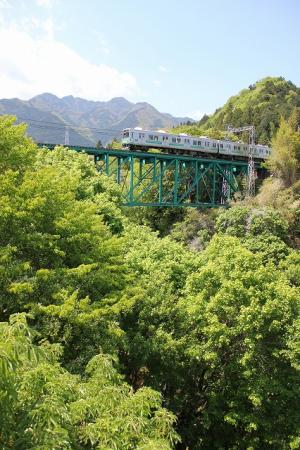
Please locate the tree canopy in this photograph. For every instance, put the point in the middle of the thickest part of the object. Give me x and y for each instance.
(115, 336)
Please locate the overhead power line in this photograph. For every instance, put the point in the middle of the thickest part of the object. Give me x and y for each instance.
(63, 125)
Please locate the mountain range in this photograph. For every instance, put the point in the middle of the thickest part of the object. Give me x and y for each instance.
(87, 121)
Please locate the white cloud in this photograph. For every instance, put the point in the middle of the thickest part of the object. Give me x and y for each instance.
(162, 69)
(32, 64)
(45, 3)
(4, 4)
(157, 83)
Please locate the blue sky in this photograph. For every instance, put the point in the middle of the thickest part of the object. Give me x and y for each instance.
(185, 58)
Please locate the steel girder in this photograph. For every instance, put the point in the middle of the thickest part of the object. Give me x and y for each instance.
(157, 179)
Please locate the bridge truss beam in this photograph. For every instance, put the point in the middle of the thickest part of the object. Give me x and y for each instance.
(157, 179)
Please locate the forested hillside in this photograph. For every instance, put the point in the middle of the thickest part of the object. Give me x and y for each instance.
(114, 337)
(261, 105)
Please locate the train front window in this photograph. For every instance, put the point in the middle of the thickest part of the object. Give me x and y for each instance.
(126, 134)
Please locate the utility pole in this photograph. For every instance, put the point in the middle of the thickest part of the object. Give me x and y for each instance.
(251, 165)
(67, 135)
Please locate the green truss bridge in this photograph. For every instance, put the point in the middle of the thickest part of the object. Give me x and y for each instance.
(159, 179)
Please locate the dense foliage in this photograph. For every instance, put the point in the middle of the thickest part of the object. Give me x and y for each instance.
(44, 406)
(262, 105)
(114, 337)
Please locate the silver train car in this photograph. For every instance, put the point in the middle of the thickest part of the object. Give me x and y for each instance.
(139, 139)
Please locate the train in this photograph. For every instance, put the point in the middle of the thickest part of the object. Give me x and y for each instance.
(140, 139)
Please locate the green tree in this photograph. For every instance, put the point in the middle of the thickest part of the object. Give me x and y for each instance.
(61, 253)
(221, 349)
(294, 119)
(262, 230)
(196, 228)
(114, 144)
(17, 152)
(44, 406)
(99, 144)
(285, 158)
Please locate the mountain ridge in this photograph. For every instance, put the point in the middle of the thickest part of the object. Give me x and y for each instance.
(89, 120)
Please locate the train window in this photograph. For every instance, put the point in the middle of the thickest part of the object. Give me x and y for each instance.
(239, 148)
(194, 142)
(156, 138)
(187, 141)
(178, 140)
(199, 143)
(214, 144)
(151, 137)
(165, 138)
(126, 134)
(221, 145)
(234, 147)
(173, 139)
(132, 135)
(207, 144)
